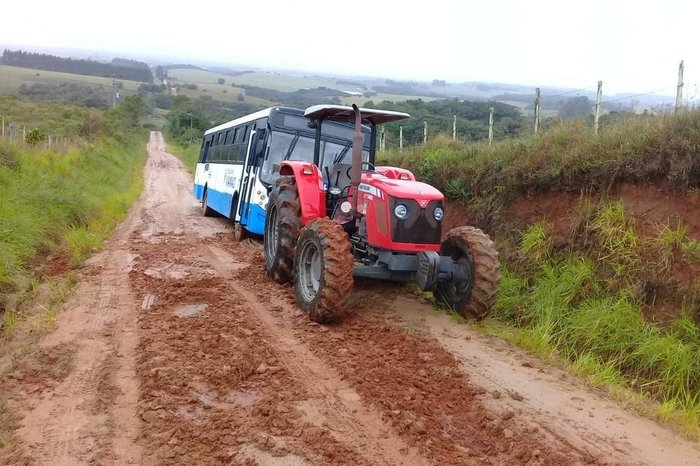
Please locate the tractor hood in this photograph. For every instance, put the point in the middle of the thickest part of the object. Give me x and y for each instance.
(401, 189)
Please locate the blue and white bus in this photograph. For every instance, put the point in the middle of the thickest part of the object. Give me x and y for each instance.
(239, 161)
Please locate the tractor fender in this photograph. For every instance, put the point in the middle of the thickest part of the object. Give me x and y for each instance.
(312, 197)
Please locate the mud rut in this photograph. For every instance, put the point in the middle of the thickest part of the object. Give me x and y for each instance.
(176, 349)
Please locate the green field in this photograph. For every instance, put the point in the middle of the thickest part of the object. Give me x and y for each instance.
(12, 77)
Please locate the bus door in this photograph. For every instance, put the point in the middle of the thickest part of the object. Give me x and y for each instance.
(246, 182)
(249, 176)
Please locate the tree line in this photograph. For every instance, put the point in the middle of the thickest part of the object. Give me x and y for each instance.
(472, 119)
(119, 67)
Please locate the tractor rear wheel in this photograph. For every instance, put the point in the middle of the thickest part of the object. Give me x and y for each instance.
(282, 225)
(323, 267)
(471, 290)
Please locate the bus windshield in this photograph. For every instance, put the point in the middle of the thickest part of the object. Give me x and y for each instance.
(296, 146)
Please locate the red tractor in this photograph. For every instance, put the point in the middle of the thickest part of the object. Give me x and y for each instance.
(363, 220)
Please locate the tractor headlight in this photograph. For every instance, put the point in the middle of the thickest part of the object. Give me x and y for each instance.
(438, 213)
(401, 211)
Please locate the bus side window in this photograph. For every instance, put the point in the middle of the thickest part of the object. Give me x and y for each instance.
(206, 144)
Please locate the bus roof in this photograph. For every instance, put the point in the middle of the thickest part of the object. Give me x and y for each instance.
(244, 119)
(343, 113)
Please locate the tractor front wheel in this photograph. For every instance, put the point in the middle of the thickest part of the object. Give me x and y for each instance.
(282, 225)
(323, 267)
(472, 287)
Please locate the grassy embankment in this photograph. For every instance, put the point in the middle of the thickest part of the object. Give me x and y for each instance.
(581, 294)
(188, 153)
(63, 202)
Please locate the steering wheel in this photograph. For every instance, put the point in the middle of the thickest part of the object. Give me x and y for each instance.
(349, 170)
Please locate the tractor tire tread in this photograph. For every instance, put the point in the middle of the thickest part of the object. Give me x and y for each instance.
(487, 273)
(289, 218)
(338, 263)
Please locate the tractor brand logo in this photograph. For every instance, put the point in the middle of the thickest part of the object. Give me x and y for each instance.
(423, 203)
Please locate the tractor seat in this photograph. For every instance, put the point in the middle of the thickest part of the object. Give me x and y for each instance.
(338, 177)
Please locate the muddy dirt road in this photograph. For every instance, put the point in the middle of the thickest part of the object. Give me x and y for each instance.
(176, 349)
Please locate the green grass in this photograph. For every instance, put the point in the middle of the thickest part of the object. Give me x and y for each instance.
(566, 157)
(70, 200)
(570, 307)
(188, 153)
(63, 202)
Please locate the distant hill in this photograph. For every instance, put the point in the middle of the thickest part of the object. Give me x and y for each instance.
(120, 68)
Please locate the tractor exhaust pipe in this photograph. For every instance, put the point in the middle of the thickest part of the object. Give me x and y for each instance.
(356, 171)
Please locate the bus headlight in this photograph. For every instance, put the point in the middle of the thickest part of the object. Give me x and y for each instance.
(438, 213)
(401, 211)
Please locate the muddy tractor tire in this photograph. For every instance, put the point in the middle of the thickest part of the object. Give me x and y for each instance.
(282, 226)
(206, 210)
(323, 267)
(472, 291)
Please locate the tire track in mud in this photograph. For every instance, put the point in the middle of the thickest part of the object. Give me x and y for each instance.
(412, 383)
(214, 389)
(177, 349)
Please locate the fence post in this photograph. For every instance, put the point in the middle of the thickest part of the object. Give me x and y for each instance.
(3, 127)
(598, 100)
(538, 113)
(425, 132)
(382, 139)
(24, 134)
(679, 90)
(400, 138)
(454, 126)
(490, 125)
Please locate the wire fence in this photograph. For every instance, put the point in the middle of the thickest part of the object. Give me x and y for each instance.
(20, 134)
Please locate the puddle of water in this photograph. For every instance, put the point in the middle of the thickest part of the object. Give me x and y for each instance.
(190, 310)
(244, 399)
(310, 412)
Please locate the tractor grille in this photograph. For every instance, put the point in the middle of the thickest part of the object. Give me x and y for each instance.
(420, 227)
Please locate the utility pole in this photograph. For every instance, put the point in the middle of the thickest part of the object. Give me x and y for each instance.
(538, 113)
(425, 132)
(454, 126)
(490, 125)
(400, 138)
(598, 101)
(679, 91)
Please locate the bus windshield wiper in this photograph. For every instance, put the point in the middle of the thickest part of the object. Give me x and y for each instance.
(341, 155)
(291, 147)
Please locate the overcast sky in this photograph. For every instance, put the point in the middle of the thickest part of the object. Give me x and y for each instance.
(629, 45)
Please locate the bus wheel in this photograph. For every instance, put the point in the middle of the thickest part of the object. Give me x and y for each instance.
(282, 225)
(239, 233)
(206, 210)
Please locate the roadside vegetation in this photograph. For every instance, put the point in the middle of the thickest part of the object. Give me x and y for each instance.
(617, 300)
(61, 203)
